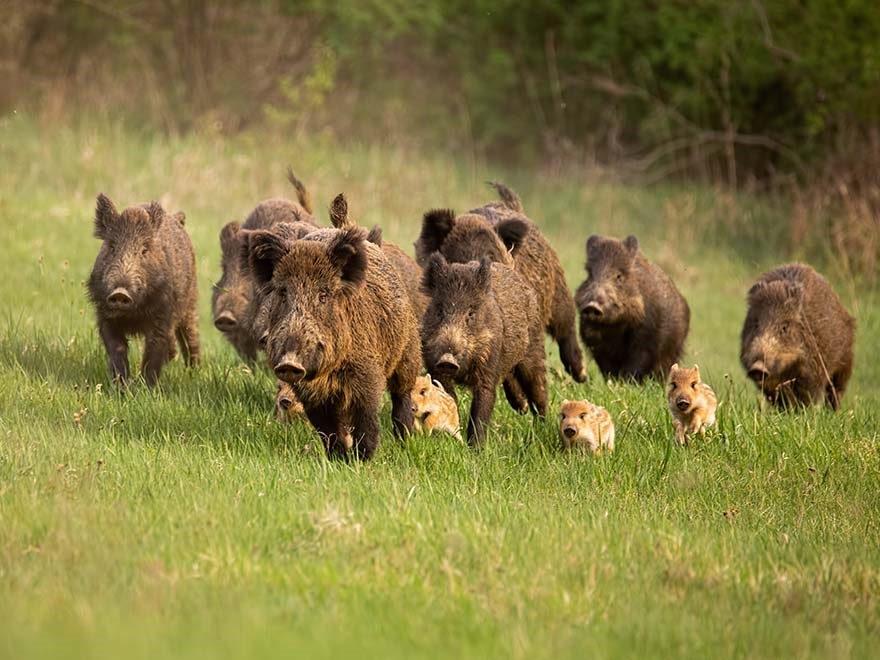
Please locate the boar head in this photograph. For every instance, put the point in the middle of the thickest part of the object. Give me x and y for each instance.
(130, 264)
(312, 286)
(458, 325)
(611, 292)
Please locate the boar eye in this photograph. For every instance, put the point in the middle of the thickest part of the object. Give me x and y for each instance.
(472, 315)
(620, 277)
(583, 415)
(323, 297)
(144, 251)
(694, 385)
(423, 392)
(784, 328)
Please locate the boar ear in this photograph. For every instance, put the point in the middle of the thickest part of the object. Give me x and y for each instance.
(229, 236)
(435, 270)
(348, 253)
(302, 195)
(565, 402)
(592, 243)
(756, 288)
(436, 226)
(673, 369)
(339, 212)
(105, 214)
(631, 244)
(156, 213)
(512, 231)
(484, 273)
(436, 383)
(265, 249)
(375, 236)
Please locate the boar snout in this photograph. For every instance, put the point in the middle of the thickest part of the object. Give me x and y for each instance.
(225, 321)
(447, 364)
(285, 402)
(120, 297)
(758, 371)
(569, 431)
(683, 403)
(593, 309)
(289, 369)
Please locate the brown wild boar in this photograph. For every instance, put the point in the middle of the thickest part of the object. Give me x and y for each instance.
(500, 231)
(483, 327)
(797, 339)
(144, 283)
(433, 407)
(232, 295)
(586, 425)
(340, 330)
(691, 402)
(633, 319)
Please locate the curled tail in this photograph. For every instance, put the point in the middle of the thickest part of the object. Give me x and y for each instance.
(511, 199)
(302, 195)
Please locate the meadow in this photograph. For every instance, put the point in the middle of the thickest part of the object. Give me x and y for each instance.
(187, 522)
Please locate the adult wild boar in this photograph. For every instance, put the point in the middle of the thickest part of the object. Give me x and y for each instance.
(144, 283)
(483, 327)
(633, 319)
(797, 339)
(230, 302)
(501, 231)
(340, 330)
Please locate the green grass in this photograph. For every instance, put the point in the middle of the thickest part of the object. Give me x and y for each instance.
(186, 522)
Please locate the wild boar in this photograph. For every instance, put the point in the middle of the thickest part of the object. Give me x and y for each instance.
(692, 402)
(433, 408)
(482, 327)
(797, 338)
(586, 425)
(340, 330)
(500, 231)
(234, 291)
(633, 319)
(144, 283)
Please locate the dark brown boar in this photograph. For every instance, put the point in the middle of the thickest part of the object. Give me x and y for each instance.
(341, 330)
(633, 319)
(483, 327)
(144, 283)
(234, 291)
(797, 339)
(500, 231)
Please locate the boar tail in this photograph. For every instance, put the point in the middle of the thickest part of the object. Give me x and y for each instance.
(302, 194)
(511, 199)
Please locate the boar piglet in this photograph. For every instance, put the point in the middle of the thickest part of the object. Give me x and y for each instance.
(483, 327)
(797, 339)
(633, 319)
(500, 231)
(144, 283)
(340, 331)
(234, 291)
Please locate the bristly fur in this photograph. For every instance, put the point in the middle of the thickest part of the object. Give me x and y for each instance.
(302, 193)
(507, 236)
(144, 283)
(511, 199)
(339, 212)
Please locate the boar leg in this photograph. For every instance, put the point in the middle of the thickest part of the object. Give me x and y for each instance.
(116, 345)
(157, 347)
(514, 393)
(534, 382)
(365, 431)
(401, 384)
(188, 338)
(481, 411)
(330, 428)
(562, 329)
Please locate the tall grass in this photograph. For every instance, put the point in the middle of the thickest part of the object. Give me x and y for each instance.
(186, 522)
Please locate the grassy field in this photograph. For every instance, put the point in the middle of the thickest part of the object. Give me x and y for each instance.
(186, 522)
